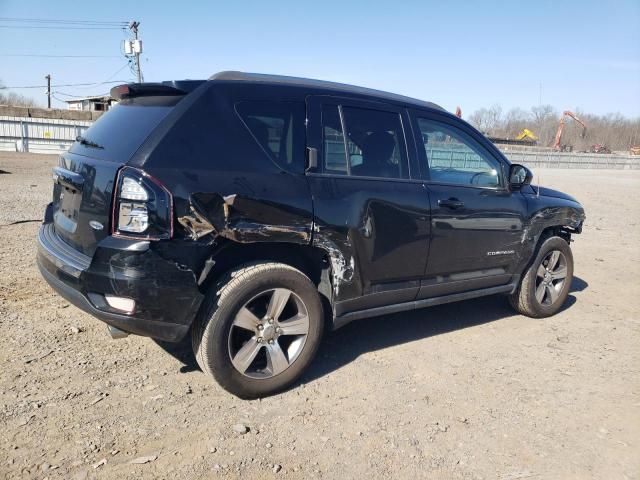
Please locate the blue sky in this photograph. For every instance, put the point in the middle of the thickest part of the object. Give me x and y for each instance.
(585, 54)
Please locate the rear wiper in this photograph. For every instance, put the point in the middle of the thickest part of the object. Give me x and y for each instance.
(87, 143)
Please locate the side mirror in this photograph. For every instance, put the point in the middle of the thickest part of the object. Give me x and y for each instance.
(519, 176)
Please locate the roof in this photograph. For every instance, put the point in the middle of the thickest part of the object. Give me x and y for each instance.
(102, 98)
(322, 84)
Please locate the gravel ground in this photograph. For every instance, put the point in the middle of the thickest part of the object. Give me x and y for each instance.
(462, 391)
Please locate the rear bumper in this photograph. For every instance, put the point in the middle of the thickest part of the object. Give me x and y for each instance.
(166, 294)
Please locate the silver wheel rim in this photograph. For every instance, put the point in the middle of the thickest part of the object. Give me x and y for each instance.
(550, 278)
(268, 333)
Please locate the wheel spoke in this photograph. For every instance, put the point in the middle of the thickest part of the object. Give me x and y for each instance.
(553, 259)
(276, 358)
(553, 293)
(278, 301)
(540, 292)
(298, 325)
(245, 319)
(242, 360)
(559, 274)
(541, 271)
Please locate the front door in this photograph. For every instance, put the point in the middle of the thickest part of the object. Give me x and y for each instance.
(368, 206)
(476, 221)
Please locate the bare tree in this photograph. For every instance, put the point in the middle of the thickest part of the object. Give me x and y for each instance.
(487, 120)
(14, 99)
(543, 112)
(613, 130)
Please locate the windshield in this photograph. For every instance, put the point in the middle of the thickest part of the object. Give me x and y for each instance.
(117, 134)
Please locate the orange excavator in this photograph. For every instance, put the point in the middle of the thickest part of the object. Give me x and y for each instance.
(557, 145)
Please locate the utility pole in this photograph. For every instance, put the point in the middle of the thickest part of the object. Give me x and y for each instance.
(137, 49)
(48, 77)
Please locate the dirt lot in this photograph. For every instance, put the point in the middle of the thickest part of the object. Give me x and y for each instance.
(468, 390)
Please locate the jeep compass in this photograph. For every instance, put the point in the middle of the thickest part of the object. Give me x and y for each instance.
(253, 211)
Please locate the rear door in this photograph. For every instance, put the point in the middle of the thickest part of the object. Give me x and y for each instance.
(367, 202)
(476, 221)
(85, 176)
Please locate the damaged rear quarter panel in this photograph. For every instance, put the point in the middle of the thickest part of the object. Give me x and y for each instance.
(224, 185)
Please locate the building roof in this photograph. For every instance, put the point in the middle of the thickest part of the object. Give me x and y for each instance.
(102, 98)
(311, 83)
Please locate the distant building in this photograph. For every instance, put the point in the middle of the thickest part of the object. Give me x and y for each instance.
(91, 104)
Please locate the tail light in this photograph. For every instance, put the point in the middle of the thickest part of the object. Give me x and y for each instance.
(142, 207)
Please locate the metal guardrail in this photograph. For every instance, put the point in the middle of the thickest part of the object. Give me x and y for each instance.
(49, 135)
(574, 160)
(39, 135)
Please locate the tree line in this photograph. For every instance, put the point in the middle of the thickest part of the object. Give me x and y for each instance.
(613, 130)
(15, 99)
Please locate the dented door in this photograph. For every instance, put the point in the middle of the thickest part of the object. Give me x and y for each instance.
(375, 230)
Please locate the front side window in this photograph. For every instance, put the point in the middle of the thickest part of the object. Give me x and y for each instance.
(279, 129)
(363, 142)
(454, 158)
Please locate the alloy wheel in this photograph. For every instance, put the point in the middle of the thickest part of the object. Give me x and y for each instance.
(550, 277)
(268, 333)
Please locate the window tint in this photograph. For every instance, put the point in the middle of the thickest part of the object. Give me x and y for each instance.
(334, 159)
(375, 143)
(279, 129)
(454, 158)
(118, 133)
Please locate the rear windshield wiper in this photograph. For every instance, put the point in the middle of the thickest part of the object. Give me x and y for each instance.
(87, 143)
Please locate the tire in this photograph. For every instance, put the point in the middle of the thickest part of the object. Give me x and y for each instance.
(527, 299)
(247, 324)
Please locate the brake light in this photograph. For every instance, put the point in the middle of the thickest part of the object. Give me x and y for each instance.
(142, 207)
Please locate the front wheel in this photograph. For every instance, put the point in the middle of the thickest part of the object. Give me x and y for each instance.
(545, 284)
(259, 330)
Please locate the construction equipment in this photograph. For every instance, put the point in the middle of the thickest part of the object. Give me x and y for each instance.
(526, 133)
(525, 138)
(599, 148)
(557, 141)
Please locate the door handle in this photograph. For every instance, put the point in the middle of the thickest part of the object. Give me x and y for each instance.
(452, 203)
(312, 159)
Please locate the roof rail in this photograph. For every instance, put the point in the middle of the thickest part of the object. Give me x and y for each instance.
(308, 82)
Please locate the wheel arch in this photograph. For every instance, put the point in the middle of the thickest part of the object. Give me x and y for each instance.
(310, 260)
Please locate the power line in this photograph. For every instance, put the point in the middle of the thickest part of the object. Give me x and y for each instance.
(47, 20)
(63, 28)
(56, 56)
(110, 77)
(81, 96)
(63, 85)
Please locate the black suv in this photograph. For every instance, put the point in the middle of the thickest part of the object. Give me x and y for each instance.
(252, 210)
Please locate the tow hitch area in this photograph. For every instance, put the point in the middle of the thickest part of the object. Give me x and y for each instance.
(116, 333)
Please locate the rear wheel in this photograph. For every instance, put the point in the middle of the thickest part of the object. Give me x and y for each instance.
(259, 330)
(545, 284)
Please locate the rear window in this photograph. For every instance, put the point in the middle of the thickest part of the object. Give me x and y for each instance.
(117, 134)
(279, 129)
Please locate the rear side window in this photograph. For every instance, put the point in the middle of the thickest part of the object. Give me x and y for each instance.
(117, 134)
(279, 128)
(372, 147)
(333, 141)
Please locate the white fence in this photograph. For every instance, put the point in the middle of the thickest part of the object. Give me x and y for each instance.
(50, 135)
(39, 135)
(573, 160)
